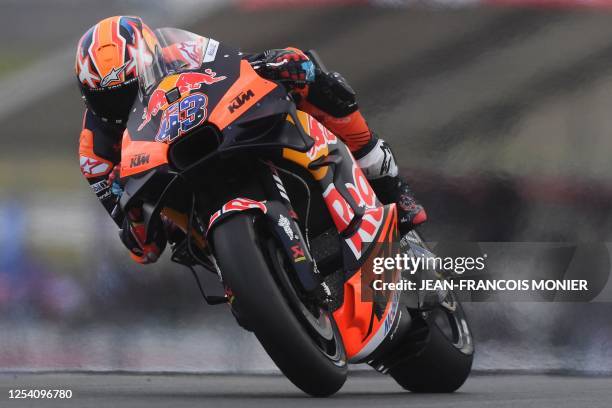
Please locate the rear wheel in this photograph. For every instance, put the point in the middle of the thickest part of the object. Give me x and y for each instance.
(300, 337)
(444, 360)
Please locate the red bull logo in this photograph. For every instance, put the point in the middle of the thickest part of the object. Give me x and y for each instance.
(190, 81)
(186, 83)
(157, 100)
(322, 137)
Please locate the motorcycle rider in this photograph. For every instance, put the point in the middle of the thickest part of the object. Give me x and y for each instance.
(106, 69)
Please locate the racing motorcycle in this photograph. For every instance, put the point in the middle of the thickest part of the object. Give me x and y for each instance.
(275, 205)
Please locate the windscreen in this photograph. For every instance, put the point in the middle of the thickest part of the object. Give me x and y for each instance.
(171, 51)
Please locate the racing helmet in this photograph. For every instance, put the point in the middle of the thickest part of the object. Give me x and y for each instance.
(106, 65)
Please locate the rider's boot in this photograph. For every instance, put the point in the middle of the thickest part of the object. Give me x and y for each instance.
(378, 163)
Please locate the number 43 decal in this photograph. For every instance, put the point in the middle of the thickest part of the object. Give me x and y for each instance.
(182, 116)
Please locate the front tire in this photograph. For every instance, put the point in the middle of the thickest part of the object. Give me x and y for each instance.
(314, 364)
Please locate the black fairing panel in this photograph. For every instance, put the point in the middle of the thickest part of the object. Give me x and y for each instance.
(266, 125)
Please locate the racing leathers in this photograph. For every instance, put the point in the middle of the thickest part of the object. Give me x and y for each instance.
(325, 95)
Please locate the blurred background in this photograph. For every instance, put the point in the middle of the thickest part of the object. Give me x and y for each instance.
(499, 112)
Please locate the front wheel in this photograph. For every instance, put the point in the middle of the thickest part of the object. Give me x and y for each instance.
(302, 339)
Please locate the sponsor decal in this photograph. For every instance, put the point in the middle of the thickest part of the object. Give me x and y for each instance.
(361, 190)
(281, 188)
(322, 137)
(379, 161)
(139, 159)
(341, 212)
(186, 83)
(211, 51)
(113, 76)
(105, 195)
(99, 186)
(368, 229)
(93, 167)
(241, 204)
(237, 204)
(298, 254)
(285, 224)
(240, 100)
(326, 289)
(182, 116)
(364, 195)
(392, 312)
(193, 81)
(102, 189)
(387, 158)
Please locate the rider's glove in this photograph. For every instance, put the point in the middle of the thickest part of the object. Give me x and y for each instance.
(132, 234)
(114, 182)
(289, 64)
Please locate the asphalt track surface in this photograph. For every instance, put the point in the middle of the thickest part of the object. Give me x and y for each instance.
(362, 390)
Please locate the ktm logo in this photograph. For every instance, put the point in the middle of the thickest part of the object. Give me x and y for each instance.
(139, 160)
(240, 100)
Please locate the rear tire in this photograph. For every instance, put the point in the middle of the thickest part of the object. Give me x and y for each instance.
(445, 361)
(315, 365)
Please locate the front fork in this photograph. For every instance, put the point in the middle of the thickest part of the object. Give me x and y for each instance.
(283, 221)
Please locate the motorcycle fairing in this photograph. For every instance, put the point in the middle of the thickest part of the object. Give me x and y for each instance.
(362, 222)
(365, 324)
(138, 156)
(235, 137)
(244, 93)
(224, 90)
(352, 204)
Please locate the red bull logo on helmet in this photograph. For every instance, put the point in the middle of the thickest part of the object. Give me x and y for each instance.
(185, 83)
